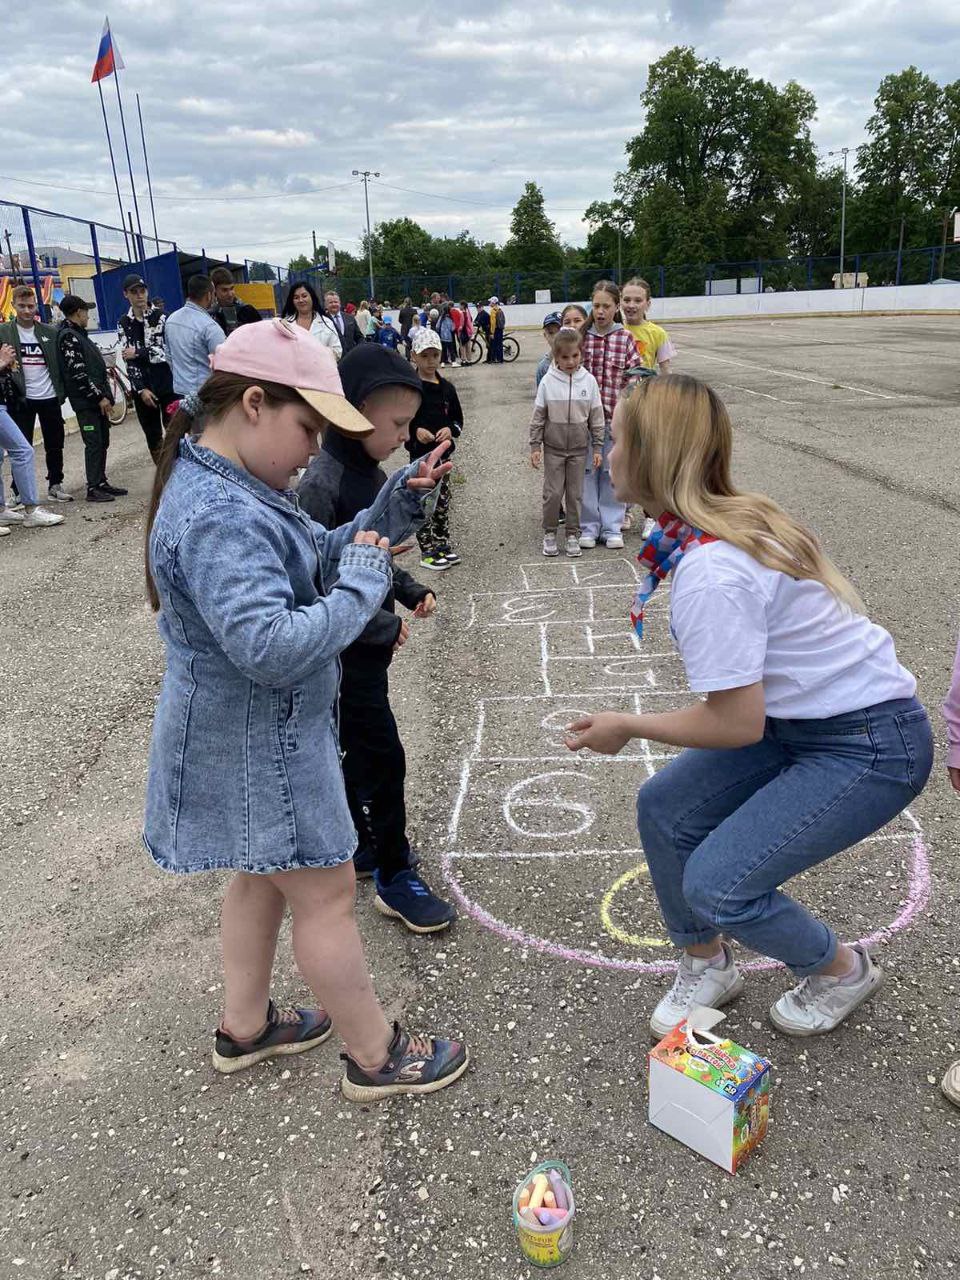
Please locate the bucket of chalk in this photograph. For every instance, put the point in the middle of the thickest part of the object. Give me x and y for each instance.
(543, 1212)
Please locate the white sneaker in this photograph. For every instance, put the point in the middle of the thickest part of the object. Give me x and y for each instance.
(697, 982)
(40, 517)
(950, 1084)
(587, 542)
(573, 547)
(9, 516)
(820, 1004)
(550, 547)
(615, 542)
(4, 531)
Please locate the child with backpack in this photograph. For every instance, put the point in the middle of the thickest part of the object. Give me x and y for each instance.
(244, 771)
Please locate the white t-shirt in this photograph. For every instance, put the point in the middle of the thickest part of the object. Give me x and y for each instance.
(35, 371)
(736, 622)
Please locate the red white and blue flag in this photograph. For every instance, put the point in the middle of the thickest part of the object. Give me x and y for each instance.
(108, 55)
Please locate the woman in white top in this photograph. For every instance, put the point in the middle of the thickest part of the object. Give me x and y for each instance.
(363, 318)
(305, 308)
(808, 740)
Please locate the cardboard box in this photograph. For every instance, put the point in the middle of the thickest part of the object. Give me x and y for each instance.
(711, 1094)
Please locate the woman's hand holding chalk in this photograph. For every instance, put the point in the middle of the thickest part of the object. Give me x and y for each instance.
(606, 732)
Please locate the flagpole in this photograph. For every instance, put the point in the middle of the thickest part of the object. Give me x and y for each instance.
(146, 165)
(113, 166)
(126, 147)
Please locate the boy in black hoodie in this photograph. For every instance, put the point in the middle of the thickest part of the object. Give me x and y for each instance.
(341, 481)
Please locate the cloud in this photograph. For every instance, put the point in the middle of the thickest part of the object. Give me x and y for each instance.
(240, 99)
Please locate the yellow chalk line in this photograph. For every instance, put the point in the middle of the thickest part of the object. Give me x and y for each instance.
(614, 930)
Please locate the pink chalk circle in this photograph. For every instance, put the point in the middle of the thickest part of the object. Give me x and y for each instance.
(914, 904)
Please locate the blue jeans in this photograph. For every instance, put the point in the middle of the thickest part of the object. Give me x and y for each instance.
(723, 830)
(13, 442)
(602, 513)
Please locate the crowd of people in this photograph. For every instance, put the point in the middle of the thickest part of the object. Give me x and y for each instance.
(279, 620)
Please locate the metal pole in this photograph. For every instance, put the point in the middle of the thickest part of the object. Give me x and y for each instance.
(146, 165)
(366, 175)
(943, 246)
(843, 215)
(14, 276)
(98, 278)
(34, 265)
(113, 166)
(133, 234)
(903, 220)
(619, 255)
(314, 234)
(126, 147)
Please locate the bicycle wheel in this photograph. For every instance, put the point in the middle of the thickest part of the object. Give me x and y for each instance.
(475, 351)
(511, 349)
(118, 410)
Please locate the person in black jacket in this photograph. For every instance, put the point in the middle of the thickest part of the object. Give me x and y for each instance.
(140, 340)
(439, 419)
(340, 482)
(230, 312)
(346, 326)
(88, 389)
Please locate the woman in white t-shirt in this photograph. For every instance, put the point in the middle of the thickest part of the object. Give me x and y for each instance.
(808, 740)
(305, 309)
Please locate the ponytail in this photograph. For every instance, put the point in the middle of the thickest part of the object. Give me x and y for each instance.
(219, 394)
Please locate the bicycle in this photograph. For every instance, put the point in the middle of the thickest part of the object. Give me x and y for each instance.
(121, 388)
(478, 347)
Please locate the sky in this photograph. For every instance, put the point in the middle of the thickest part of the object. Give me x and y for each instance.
(256, 113)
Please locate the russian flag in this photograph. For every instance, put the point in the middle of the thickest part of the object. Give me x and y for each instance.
(108, 55)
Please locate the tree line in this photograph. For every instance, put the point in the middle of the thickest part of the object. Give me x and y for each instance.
(724, 170)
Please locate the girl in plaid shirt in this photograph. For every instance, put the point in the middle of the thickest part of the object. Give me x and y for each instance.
(608, 352)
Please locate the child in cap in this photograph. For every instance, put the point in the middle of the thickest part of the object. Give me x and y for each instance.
(256, 603)
(567, 422)
(343, 479)
(438, 420)
(552, 324)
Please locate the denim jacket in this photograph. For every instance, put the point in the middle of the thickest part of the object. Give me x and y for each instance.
(244, 766)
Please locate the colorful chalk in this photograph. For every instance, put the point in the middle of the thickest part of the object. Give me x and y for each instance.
(558, 1189)
(524, 1199)
(538, 1190)
(549, 1199)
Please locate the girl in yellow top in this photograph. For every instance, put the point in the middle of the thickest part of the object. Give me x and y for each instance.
(653, 342)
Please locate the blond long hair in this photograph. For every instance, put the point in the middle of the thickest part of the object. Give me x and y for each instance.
(676, 440)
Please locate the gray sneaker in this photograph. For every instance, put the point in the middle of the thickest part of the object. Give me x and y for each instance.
(550, 547)
(9, 515)
(57, 493)
(697, 982)
(819, 1004)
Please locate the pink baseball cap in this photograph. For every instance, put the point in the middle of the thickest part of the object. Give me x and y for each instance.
(281, 351)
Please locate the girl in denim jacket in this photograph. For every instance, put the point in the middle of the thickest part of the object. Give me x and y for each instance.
(244, 768)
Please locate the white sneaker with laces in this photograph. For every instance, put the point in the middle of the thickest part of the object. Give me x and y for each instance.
(9, 516)
(550, 547)
(4, 531)
(587, 542)
(40, 517)
(819, 1003)
(697, 982)
(615, 542)
(573, 547)
(57, 493)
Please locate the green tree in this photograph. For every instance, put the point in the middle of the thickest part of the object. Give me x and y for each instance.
(401, 247)
(300, 263)
(533, 244)
(262, 271)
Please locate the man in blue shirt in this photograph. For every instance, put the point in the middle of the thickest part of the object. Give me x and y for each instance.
(192, 335)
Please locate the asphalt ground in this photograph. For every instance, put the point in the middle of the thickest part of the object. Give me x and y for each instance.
(125, 1155)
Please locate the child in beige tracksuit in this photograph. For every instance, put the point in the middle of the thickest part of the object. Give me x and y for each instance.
(567, 421)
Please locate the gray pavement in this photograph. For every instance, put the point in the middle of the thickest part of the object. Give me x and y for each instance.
(126, 1156)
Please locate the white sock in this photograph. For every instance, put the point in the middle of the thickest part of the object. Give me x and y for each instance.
(854, 973)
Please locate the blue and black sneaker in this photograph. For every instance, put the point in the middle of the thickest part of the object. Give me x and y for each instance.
(415, 1064)
(407, 898)
(287, 1031)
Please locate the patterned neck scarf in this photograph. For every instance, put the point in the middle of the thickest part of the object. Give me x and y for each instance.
(660, 555)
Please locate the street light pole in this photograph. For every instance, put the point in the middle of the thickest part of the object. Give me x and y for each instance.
(366, 175)
(842, 151)
(943, 245)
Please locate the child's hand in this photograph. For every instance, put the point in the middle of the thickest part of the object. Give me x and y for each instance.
(425, 436)
(431, 470)
(597, 461)
(535, 457)
(444, 434)
(370, 538)
(426, 606)
(402, 637)
(604, 732)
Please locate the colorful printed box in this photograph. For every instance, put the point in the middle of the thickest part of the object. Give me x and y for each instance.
(709, 1093)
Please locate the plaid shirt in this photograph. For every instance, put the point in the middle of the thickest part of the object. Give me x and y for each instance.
(608, 356)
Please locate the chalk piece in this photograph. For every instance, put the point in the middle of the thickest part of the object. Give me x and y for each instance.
(549, 1199)
(540, 1185)
(546, 1217)
(558, 1187)
(523, 1199)
(529, 1215)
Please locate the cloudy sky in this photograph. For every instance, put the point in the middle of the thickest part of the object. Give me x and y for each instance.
(251, 105)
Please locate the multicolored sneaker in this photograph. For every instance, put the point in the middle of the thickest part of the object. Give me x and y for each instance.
(415, 1064)
(434, 562)
(287, 1031)
(406, 897)
(448, 554)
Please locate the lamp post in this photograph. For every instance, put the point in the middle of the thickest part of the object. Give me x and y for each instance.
(366, 175)
(943, 244)
(842, 151)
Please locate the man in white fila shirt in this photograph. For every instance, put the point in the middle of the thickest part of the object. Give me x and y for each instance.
(37, 378)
